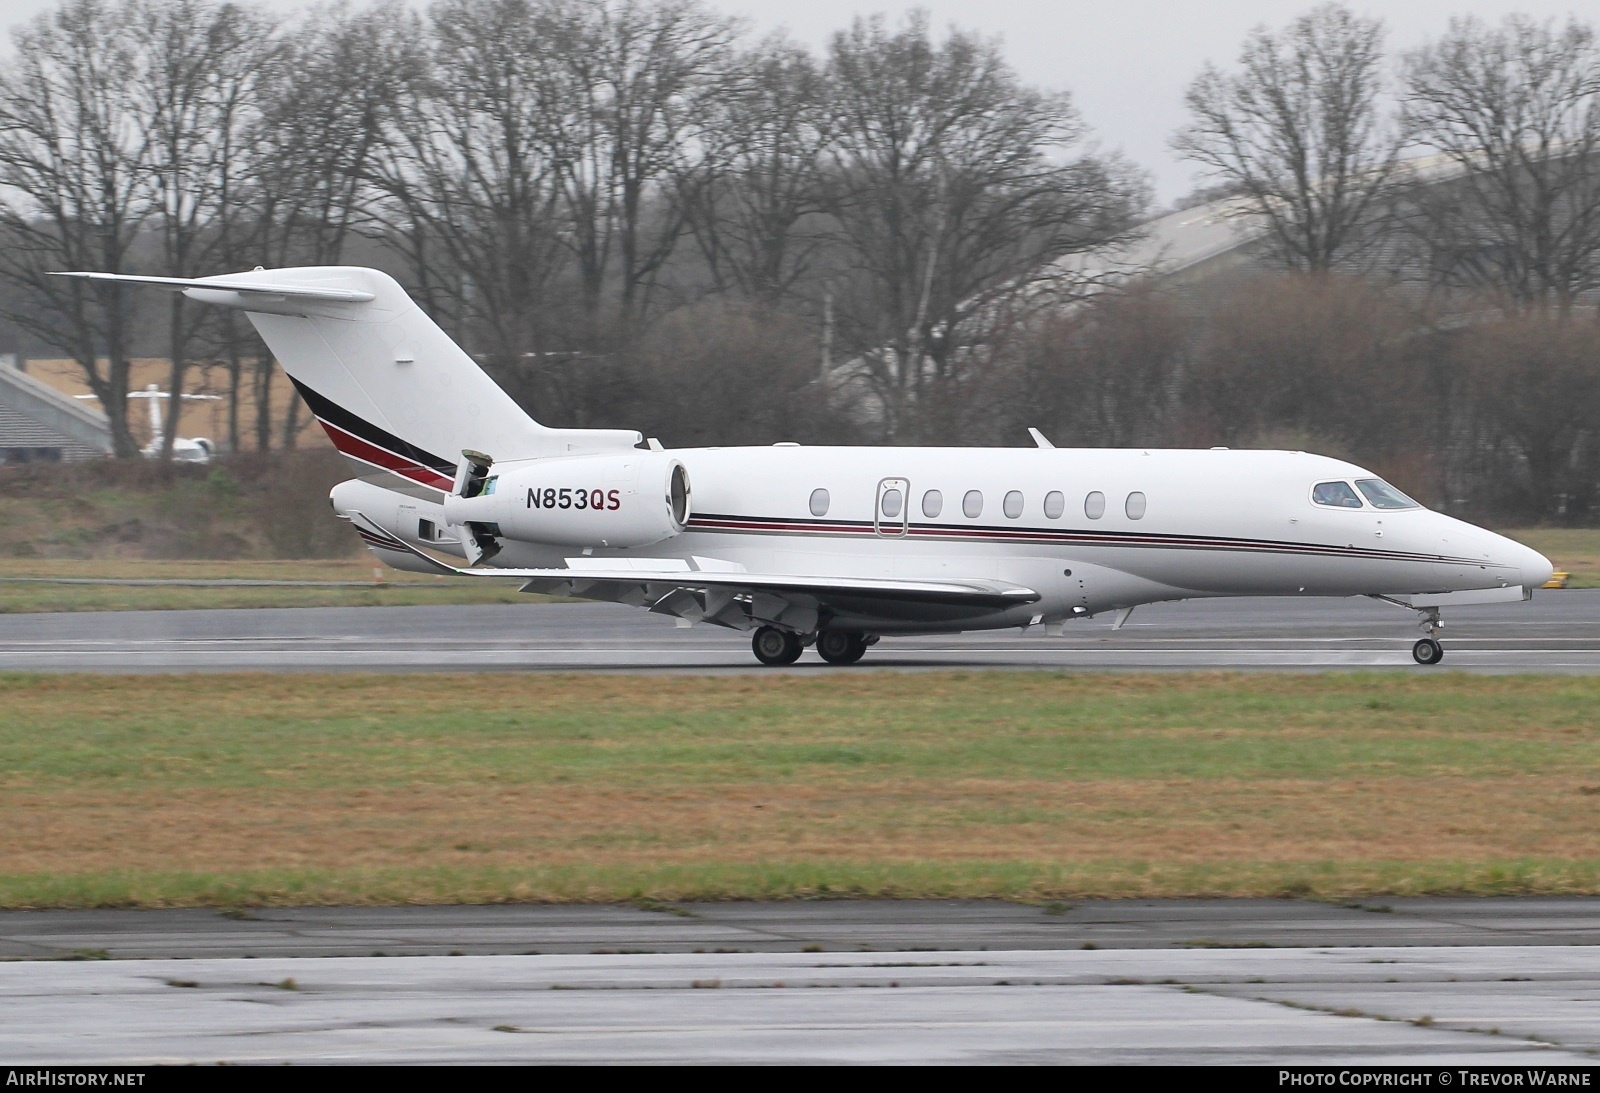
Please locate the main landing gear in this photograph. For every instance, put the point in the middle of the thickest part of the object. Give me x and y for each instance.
(1428, 650)
(776, 648)
(841, 646)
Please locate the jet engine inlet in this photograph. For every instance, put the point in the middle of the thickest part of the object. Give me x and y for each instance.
(678, 498)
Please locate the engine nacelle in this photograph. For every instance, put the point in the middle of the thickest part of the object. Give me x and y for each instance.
(630, 499)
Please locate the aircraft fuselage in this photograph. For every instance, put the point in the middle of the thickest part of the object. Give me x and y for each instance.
(1088, 529)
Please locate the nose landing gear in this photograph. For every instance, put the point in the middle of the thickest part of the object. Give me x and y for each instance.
(1428, 650)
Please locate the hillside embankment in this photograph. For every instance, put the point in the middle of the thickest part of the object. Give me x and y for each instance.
(245, 518)
(245, 507)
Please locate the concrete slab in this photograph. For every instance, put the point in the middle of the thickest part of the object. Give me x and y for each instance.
(1166, 1006)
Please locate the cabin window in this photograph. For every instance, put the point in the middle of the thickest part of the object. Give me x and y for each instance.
(1012, 505)
(819, 502)
(1135, 506)
(1381, 495)
(1094, 506)
(1336, 495)
(1055, 503)
(932, 504)
(972, 504)
(891, 503)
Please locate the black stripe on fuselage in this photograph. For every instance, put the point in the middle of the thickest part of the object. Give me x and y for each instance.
(929, 532)
(331, 412)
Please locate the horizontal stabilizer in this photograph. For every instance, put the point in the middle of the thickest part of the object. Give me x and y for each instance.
(228, 284)
(579, 581)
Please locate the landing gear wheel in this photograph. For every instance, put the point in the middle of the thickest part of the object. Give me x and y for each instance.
(841, 646)
(1427, 651)
(776, 647)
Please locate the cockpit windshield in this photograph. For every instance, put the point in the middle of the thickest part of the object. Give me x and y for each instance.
(1381, 495)
(1337, 495)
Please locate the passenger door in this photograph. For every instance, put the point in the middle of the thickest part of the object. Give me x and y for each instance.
(892, 511)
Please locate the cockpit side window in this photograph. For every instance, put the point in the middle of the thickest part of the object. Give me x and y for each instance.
(1336, 495)
(1381, 495)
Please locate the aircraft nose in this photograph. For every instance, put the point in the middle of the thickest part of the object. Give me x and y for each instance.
(1536, 568)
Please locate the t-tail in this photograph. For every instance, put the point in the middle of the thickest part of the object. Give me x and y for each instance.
(396, 395)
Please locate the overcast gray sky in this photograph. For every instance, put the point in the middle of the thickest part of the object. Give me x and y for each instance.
(1125, 62)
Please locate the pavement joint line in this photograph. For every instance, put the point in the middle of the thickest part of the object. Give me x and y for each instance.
(1269, 636)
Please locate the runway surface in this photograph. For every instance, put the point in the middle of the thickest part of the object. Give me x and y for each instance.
(1559, 631)
(1427, 982)
(793, 926)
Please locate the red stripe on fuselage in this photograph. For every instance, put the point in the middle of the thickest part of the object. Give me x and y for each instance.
(1079, 538)
(353, 446)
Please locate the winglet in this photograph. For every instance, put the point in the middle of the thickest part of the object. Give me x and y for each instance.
(1039, 438)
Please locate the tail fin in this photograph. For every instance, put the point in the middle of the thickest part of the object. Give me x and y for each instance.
(391, 389)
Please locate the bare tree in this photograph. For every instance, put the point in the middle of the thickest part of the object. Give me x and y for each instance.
(760, 176)
(329, 94)
(1103, 374)
(760, 365)
(1301, 130)
(328, 91)
(1534, 388)
(75, 187)
(198, 65)
(953, 190)
(473, 193)
(1515, 110)
(627, 87)
(1311, 360)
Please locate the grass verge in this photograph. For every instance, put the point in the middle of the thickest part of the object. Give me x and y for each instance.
(1022, 881)
(352, 582)
(239, 790)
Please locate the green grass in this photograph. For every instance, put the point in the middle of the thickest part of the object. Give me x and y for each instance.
(225, 790)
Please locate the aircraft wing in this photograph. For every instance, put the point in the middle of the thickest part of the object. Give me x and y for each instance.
(723, 595)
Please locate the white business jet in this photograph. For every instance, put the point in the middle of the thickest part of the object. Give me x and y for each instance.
(184, 449)
(824, 546)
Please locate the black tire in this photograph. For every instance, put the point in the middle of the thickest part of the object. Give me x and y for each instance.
(1427, 651)
(841, 646)
(775, 647)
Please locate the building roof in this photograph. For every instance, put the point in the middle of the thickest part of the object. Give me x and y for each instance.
(35, 415)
